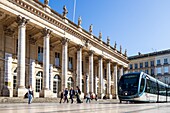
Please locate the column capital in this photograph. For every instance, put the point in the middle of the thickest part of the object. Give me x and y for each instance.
(91, 52)
(100, 57)
(64, 40)
(22, 21)
(79, 46)
(46, 32)
(108, 60)
(115, 64)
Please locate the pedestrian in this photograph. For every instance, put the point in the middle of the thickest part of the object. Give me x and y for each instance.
(65, 95)
(78, 93)
(30, 94)
(61, 97)
(72, 93)
(88, 98)
(96, 97)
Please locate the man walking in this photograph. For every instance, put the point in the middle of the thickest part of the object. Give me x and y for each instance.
(65, 95)
(71, 94)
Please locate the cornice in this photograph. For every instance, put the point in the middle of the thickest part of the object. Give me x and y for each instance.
(69, 27)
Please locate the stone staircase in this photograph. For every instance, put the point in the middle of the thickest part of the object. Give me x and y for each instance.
(49, 100)
(25, 100)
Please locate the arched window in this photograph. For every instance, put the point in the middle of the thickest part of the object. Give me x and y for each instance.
(70, 82)
(39, 80)
(56, 84)
(83, 86)
(15, 79)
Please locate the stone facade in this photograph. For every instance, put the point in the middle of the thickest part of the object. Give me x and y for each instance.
(157, 64)
(42, 48)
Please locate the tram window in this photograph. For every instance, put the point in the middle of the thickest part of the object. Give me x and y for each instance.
(162, 90)
(151, 87)
(168, 91)
(142, 85)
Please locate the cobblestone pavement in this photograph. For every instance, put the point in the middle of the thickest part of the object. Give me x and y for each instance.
(94, 107)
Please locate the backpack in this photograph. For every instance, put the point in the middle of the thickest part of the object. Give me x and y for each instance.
(30, 92)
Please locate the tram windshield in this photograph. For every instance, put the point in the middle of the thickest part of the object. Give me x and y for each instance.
(128, 84)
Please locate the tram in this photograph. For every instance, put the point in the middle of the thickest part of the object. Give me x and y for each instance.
(141, 87)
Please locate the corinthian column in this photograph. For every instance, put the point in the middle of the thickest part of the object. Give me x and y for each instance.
(64, 62)
(91, 70)
(108, 80)
(101, 76)
(115, 81)
(121, 71)
(46, 55)
(21, 54)
(79, 66)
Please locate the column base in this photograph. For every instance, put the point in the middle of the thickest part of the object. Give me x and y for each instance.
(115, 96)
(101, 96)
(7, 92)
(109, 96)
(46, 93)
(21, 92)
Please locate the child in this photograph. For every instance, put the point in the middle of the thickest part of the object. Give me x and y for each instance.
(88, 97)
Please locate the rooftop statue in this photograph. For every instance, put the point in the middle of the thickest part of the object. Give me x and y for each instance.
(115, 45)
(100, 35)
(91, 29)
(108, 40)
(79, 22)
(120, 49)
(125, 52)
(65, 12)
(46, 2)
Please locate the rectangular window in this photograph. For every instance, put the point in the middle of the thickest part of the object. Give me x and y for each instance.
(146, 71)
(141, 65)
(131, 66)
(40, 54)
(146, 64)
(136, 66)
(159, 70)
(57, 59)
(70, 63)
(165, 61)
(152, 63)
(166, 69)
(159, 62)
(152, 71)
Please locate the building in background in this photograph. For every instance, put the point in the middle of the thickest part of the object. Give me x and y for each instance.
(156, 64)
(42, 48)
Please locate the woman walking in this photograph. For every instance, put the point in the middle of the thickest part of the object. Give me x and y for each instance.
(30, 94)
(78, 93)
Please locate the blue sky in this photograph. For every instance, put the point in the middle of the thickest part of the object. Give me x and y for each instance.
(138, 25)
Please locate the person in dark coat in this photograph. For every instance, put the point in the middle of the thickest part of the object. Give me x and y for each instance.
(65, 95)
(72, 93)
(61, 97)
(78, 93)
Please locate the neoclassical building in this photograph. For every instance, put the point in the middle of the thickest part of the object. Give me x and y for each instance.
(156, 64)
(44, 49)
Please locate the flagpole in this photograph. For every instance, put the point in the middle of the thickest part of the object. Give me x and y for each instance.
(74, 10)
